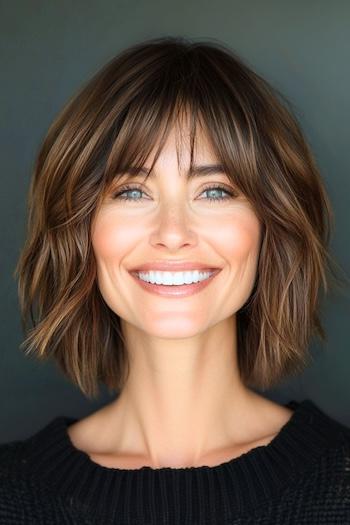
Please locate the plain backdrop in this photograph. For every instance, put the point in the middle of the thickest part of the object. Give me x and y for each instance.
(49, 48)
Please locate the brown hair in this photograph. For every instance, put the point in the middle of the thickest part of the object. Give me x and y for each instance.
(113, 122)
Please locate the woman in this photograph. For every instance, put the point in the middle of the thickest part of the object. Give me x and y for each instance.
(177, 242)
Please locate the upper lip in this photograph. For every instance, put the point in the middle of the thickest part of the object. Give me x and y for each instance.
(173, 266)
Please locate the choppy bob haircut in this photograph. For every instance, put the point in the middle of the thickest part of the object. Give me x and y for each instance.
(112, 123)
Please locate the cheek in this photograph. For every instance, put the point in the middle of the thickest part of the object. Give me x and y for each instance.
(111, 240)
(238, 238)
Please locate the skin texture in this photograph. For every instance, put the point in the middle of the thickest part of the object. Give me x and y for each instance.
(184, 403)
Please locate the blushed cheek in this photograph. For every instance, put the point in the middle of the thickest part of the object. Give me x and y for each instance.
(112, 239)
(238, 238)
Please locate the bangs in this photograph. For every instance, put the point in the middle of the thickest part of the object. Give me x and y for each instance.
(183, 93)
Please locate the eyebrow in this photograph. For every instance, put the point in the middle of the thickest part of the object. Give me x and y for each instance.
(198, 170)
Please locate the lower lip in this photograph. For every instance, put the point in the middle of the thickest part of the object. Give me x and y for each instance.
(182, 290)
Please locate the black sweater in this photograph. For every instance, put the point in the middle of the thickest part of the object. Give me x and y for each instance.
(301, 477)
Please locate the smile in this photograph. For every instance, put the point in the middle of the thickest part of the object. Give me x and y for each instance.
(175, 284)
(174, 278)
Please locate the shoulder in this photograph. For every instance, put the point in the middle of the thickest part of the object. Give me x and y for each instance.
(15, 491)
(15, 469)
(335, 434)
(341, 446)
(338, 429)
(12, 458)
(324, 486)
(311, 456)
(26, 498)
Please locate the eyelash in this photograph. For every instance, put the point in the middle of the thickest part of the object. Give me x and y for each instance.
(124, 189)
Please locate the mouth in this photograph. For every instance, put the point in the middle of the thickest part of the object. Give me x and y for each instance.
(170, 284)
(172, 274)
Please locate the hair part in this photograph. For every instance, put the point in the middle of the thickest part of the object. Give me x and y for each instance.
(114, 122)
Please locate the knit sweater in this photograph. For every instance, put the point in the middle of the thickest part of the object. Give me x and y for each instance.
(301, 477)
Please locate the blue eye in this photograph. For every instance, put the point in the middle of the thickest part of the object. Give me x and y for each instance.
(132, 189)
(229, 194)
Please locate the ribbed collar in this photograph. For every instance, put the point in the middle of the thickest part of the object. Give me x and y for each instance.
(180, 495)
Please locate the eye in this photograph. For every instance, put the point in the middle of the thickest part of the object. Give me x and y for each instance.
(229, 193)
(128, 190)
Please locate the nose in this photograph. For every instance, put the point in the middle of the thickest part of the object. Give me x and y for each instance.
(173, 228)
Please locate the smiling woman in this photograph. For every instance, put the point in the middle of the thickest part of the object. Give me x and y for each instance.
(105, 135)
(177, 248)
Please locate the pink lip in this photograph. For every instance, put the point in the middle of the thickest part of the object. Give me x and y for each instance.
(175, 290)
(172, 266)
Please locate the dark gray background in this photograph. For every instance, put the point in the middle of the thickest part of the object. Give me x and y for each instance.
(48, 48)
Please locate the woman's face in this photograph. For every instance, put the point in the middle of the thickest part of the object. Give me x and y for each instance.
(170, 217)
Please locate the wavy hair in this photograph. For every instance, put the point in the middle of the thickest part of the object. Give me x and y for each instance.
(113, 122)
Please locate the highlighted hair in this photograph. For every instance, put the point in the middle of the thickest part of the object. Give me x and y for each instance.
(114, 121)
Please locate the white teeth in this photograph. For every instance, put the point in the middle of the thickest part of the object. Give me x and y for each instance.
(173, 278)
